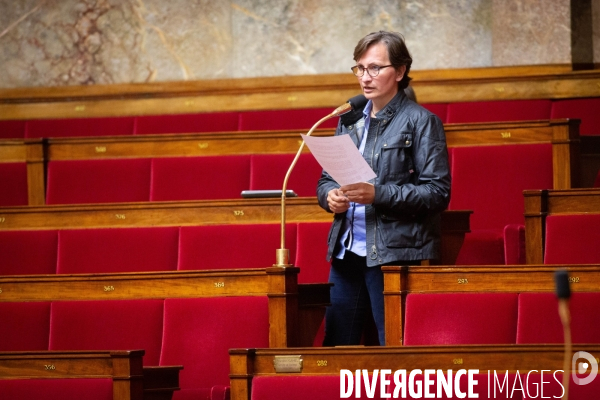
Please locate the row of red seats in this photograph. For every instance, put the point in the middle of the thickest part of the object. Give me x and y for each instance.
(79, 251)
(482, 111)
(194, 332)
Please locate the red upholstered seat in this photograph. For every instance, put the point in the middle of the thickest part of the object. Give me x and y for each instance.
(199, 178)
(13, 178)
(584, 109)
(285, 119)
(268, 172)
(117, 250)
(108, 325)
(495, 111)
(490, 181)
(25, 326)
(311, 252)
(187, 123)
(105, 126)
(98, 181)
(459, 318)
(439, 109)
(514, 244)
(572, 239)
(198, 334)
(12, 129)
(57, 389)
(18, 257)
(539, 321)
(233, 246)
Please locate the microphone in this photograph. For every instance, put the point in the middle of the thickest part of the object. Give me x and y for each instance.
(563, 292)
(283, 254)
(358, 103)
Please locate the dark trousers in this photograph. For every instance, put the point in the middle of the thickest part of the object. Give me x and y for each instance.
(357, 290)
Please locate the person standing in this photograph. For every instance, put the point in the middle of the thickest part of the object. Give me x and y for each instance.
(394, 219)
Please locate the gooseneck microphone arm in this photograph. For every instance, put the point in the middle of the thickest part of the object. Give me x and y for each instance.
(283, 254)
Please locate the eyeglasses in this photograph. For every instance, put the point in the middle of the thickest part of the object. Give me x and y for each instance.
(372, 70)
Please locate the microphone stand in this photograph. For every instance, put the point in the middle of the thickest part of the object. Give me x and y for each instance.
(283, 254)
(563, 292)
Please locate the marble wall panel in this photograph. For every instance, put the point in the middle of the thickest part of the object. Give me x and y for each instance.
(529, 32)
(73, 42)
(596, 30)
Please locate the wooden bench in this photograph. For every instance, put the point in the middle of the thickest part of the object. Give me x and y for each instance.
(399, 281)
(250, 364)
(124, 368)
(540, 204)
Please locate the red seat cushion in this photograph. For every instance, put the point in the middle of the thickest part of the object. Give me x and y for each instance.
(539, 321)
(98, 181)
(233, 246)
(285, 119)
(311, 252)
(108, 325)
(13, 178)
(198, 334)
(187, 123)
(18, 257)
(268, 172)
(105, 126)
(25, 326)
(459, 318)
(439, 109)
(200, 178)
(584, 109)
(12, 129)
(57, 389)
(109, 250)
(497, 111)
(572, 239)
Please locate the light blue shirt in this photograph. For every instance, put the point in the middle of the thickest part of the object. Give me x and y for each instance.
(354, 232)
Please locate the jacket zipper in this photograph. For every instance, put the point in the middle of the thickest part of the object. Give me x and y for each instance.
(373, 255)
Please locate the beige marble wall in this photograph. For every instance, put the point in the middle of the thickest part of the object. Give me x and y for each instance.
(73, 42)
(596, 29)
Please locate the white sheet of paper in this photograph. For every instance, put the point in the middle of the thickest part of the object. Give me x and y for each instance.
(341, 159)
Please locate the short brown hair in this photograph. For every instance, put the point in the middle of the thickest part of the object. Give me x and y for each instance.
(397, 51)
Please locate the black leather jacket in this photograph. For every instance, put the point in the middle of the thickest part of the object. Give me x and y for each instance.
(406, 147)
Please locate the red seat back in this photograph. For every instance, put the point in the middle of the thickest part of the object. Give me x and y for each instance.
(13, 178)
(200, 178)
(186, 123)
(539, 321)
(18, 257)
(459, 318)
(497, 111)
(98, 181)
(104, 126)
(490, 181)
(25, 326)
(311, 252)
(108, 325)
(57, 389)
(12, 129)
(198, 334)
(110, 250)
(439, 109)
(233, 246)
(584, 109)
(285, 119)
(572, 239)
(268, 172)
